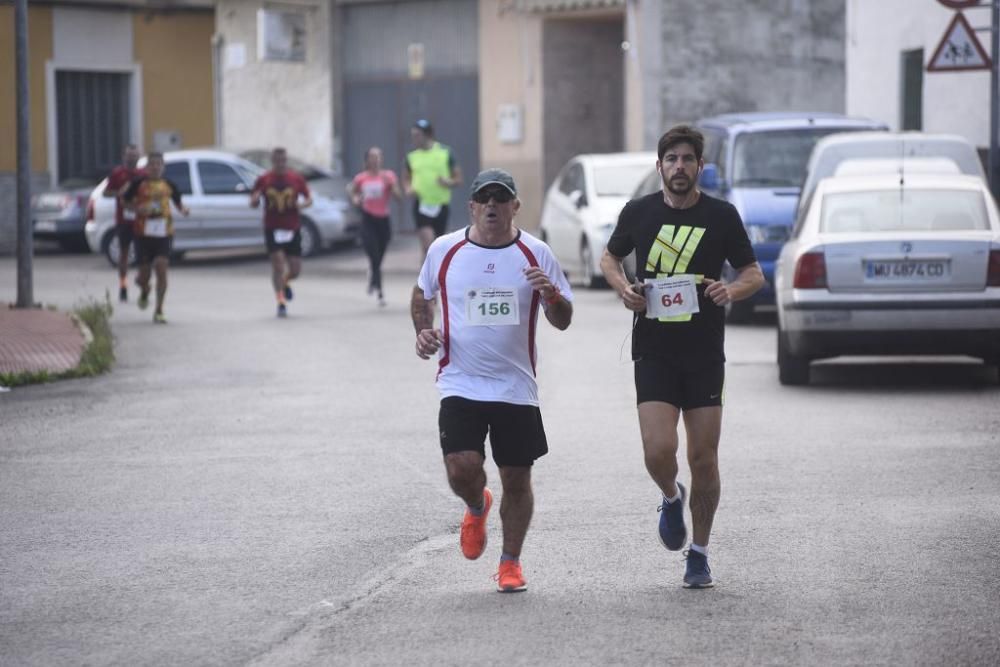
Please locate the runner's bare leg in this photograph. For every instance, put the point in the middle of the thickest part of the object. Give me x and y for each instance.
(704, 426)
(466, 476)
(160, 266)
(658, 427)
(516, 507)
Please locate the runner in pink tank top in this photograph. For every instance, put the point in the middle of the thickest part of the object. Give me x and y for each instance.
(371, 191)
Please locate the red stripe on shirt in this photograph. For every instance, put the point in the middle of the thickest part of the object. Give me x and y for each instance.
(442, 275)
(533, 321)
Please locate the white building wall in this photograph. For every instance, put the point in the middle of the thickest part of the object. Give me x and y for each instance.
(878, 31)
(276, 103)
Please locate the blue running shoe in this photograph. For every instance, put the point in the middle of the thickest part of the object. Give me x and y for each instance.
(697, 573)
(289, 294)
(673, 533)
(282, 310)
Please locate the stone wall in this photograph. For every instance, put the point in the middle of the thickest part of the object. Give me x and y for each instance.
(755, 55)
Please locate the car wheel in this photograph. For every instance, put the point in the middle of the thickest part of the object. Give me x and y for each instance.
(739, 312)
(993, 364)
(311, 241)
(112, 249)
(792, 369)
(590, 280)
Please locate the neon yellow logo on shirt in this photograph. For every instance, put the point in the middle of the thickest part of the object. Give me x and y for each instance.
(671, 253)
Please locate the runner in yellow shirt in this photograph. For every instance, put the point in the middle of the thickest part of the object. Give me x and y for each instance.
(150, 195)
(430, 174)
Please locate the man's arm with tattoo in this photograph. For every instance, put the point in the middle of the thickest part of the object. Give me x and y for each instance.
(422, 312)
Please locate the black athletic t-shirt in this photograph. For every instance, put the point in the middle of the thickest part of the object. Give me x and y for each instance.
(669, 241)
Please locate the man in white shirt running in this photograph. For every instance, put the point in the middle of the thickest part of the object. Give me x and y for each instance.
(493, 278)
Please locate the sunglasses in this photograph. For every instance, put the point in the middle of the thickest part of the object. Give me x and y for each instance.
(499, 195)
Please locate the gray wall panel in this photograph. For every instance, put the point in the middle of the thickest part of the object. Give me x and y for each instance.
(757, 55)
(381, 102)
(376, 36)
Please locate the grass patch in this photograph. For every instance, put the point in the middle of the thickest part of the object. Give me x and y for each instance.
(97, 356)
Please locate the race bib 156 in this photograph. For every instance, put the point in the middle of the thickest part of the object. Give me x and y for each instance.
(492, 306)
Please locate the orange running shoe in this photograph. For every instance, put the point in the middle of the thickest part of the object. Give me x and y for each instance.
(473, 538)
(509, 578)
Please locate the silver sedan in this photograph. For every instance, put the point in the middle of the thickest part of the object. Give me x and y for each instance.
(216, 187)
(889, 264)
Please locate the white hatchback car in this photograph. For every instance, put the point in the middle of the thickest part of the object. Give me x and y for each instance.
(582, 206)
(216, 187)
(890, 264)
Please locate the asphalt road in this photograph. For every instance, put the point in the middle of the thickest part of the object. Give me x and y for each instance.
(245, 490)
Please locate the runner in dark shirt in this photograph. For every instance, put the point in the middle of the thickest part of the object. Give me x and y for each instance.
(281, 189)
(681, 238)
(118, 181)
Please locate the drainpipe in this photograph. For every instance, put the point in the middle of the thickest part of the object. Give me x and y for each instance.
(218, 43)
(994, 153)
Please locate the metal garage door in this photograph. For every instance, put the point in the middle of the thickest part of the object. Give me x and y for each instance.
(382, 100)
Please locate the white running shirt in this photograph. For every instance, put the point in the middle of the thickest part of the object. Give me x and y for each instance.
(489, 313)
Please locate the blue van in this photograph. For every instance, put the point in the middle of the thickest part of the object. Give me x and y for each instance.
(758, 162)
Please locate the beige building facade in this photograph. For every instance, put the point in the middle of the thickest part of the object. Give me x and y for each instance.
(102, 74)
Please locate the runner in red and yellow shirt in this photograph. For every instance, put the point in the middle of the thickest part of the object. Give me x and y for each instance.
(151, 195)
(281, 189)
(118, 180)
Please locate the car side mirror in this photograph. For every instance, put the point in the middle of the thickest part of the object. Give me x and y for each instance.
(710, 177)
(578, 199)
(242, 188)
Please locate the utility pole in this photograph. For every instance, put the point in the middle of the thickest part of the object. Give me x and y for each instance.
(994, 153)
(25, 295)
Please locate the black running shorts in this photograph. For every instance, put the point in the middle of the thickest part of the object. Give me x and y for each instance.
(125, 233)
(292, 248)
(148, 248)
(438, 223)
(517, 437)
(684, 388)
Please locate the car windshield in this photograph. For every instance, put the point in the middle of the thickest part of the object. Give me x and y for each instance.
(618, 181)
(906, 210)
(775, 158)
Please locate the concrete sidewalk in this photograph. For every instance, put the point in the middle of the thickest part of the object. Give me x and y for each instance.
(35, 340)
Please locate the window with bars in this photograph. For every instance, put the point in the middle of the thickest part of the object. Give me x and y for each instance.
(93, 121)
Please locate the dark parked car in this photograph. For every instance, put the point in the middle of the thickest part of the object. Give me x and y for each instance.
(60, 215)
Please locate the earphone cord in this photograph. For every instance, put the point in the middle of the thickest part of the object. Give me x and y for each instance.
(630, 332)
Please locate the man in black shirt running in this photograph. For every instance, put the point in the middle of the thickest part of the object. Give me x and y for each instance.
(682, 237)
